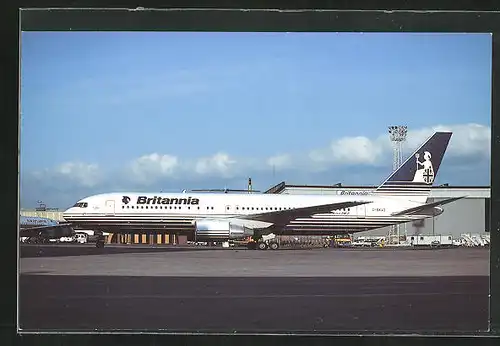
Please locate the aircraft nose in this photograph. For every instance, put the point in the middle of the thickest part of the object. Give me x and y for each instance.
(66, 212)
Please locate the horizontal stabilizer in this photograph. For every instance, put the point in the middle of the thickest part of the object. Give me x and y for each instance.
(283, 217)
(427, 206)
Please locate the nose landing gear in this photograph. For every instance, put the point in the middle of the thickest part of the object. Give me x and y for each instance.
(99, 243)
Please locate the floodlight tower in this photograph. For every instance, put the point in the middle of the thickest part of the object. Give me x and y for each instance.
(397, 135)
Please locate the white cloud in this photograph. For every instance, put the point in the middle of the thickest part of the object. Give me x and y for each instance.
(67, 176)
(355, 150)
(85, 174)
(148, 168)
(469, 141)
(352, 151)
(219, 163)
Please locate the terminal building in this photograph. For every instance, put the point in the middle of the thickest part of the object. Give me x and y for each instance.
(468, 215)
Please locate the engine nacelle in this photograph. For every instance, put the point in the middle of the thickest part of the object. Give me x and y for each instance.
(213, 230)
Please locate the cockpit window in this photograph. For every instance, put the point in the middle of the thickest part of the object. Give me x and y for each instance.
(81, 205)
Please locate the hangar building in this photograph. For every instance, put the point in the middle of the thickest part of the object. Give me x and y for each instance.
(468, 215)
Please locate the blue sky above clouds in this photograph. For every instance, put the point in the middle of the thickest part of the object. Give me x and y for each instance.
(104, 111)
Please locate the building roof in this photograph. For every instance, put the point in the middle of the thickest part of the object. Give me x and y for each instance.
(440, 189)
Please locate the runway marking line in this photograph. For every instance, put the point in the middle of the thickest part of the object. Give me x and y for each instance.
(273, 296)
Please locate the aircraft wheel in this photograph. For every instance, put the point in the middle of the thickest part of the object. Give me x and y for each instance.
(262, 246)
(99, 244)
(274, 246)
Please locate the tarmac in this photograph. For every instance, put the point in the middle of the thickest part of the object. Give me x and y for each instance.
(185, 289)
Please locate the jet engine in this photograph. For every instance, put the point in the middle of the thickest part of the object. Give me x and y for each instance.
(214, 230)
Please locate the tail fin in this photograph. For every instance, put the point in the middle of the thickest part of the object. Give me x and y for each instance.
(417, 174)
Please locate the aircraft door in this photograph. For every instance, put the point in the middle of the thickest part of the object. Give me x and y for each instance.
(361, 211)
(110, 207)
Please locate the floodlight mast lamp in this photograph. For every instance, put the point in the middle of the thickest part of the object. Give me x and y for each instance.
(397, 135)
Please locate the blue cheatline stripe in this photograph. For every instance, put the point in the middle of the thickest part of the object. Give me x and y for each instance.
(407, 190)
(403, 182)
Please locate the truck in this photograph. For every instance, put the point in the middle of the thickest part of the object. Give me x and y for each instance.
(90, 236)
(264, 242)
(430, 240)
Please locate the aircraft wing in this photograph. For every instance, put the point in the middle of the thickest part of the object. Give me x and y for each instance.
(35, 231)
(427, 206)
(283, 217)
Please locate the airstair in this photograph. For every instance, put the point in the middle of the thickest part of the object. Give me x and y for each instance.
(478, 239)
(486, 239)
(475, 239)
(468, 241)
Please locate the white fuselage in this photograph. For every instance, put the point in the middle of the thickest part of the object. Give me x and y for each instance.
(116, 212)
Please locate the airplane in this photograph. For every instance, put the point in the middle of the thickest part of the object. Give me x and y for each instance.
(37, 227)
(399, 199)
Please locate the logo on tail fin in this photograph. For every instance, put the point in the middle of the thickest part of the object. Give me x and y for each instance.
(425, 170)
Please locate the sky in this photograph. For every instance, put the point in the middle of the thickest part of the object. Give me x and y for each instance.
(167, 111)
